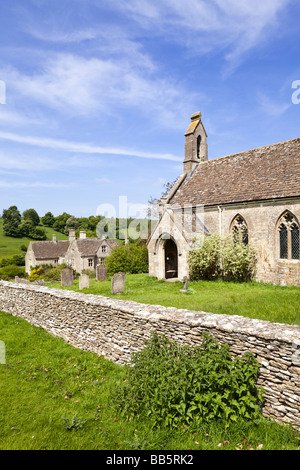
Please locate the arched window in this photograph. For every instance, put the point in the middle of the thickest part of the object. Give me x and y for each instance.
(240, 230)
(198, 146)
(289, 237)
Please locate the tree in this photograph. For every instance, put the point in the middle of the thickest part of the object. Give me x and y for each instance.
(28, 229)
(11, 221)
(48, 219)
(32, 215)
(71, 223)
(60, 222)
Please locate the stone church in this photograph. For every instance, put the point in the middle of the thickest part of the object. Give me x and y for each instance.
(255, 194)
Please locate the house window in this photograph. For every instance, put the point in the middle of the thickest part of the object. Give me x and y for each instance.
(239, 230)
(102, 260)
(90, 263)
(289, 238)
(103, 249)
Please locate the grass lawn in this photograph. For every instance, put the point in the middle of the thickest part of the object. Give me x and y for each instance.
(10, 246)
(56, 397)
(276, 304)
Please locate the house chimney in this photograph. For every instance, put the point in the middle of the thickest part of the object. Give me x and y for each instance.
(82, 234)
(195, 144)
(54, 238)
(72, 235)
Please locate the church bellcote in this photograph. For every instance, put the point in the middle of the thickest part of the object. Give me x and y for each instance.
(195, 144)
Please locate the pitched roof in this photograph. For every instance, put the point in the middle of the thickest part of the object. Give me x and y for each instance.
(270, 172)
(90, 246)
(50, 249)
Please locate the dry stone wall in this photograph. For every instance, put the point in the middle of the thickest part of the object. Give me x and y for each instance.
(116, 329)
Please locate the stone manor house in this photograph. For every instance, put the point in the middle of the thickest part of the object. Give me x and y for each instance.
(253, 194)
(79, 253)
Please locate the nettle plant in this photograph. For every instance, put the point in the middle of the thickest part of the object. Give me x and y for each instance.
(222, 258)
(175, 385)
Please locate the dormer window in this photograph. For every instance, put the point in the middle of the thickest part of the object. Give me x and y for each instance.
(103, 249)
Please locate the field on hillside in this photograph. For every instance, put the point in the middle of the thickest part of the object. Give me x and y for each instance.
(10, 246)
(276, 304)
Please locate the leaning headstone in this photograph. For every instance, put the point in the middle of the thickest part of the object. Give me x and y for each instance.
(185, 285)
(66, 277)
(39, 282)
(84, 281)
(118, 283)
(101, 272)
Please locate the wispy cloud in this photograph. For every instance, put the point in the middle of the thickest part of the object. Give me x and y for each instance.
(73, 84)
(83, 148)
(103, 180)
(234, 26)
(33, 184)
(271, 107)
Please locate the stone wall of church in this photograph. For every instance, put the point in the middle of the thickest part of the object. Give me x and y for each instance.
(262, 222)
(116, 329)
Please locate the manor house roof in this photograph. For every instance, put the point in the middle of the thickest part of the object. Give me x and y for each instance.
(49, 249)
(265, 173)
(90, 246)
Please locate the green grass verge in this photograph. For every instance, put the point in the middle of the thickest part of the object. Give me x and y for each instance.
(276, 304)
(56, 397)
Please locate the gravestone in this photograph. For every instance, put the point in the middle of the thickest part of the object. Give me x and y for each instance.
(185, 285)
(84, 281)
(39, 282)
(2, 352)
(118, 283)
(101, 272)
(66, 277)
(21, 280)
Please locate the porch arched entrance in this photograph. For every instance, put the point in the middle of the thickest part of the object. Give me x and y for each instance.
(171, 259)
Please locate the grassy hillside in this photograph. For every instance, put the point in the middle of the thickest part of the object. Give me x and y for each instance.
(10, 246)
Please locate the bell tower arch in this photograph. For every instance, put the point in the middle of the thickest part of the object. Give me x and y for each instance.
(196, 150)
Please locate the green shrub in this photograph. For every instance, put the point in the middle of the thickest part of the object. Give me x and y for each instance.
(238, 261)
(177, 385)
(222, 257)
(131, 259)
(204, 263)
(17, 260)
(10, 271)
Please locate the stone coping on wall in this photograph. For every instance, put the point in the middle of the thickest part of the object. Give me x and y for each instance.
(228, 323)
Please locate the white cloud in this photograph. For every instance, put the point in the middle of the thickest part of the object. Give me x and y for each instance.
(83, 148)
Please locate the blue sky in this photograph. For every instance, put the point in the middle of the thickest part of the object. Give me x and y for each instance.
(96, 95)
